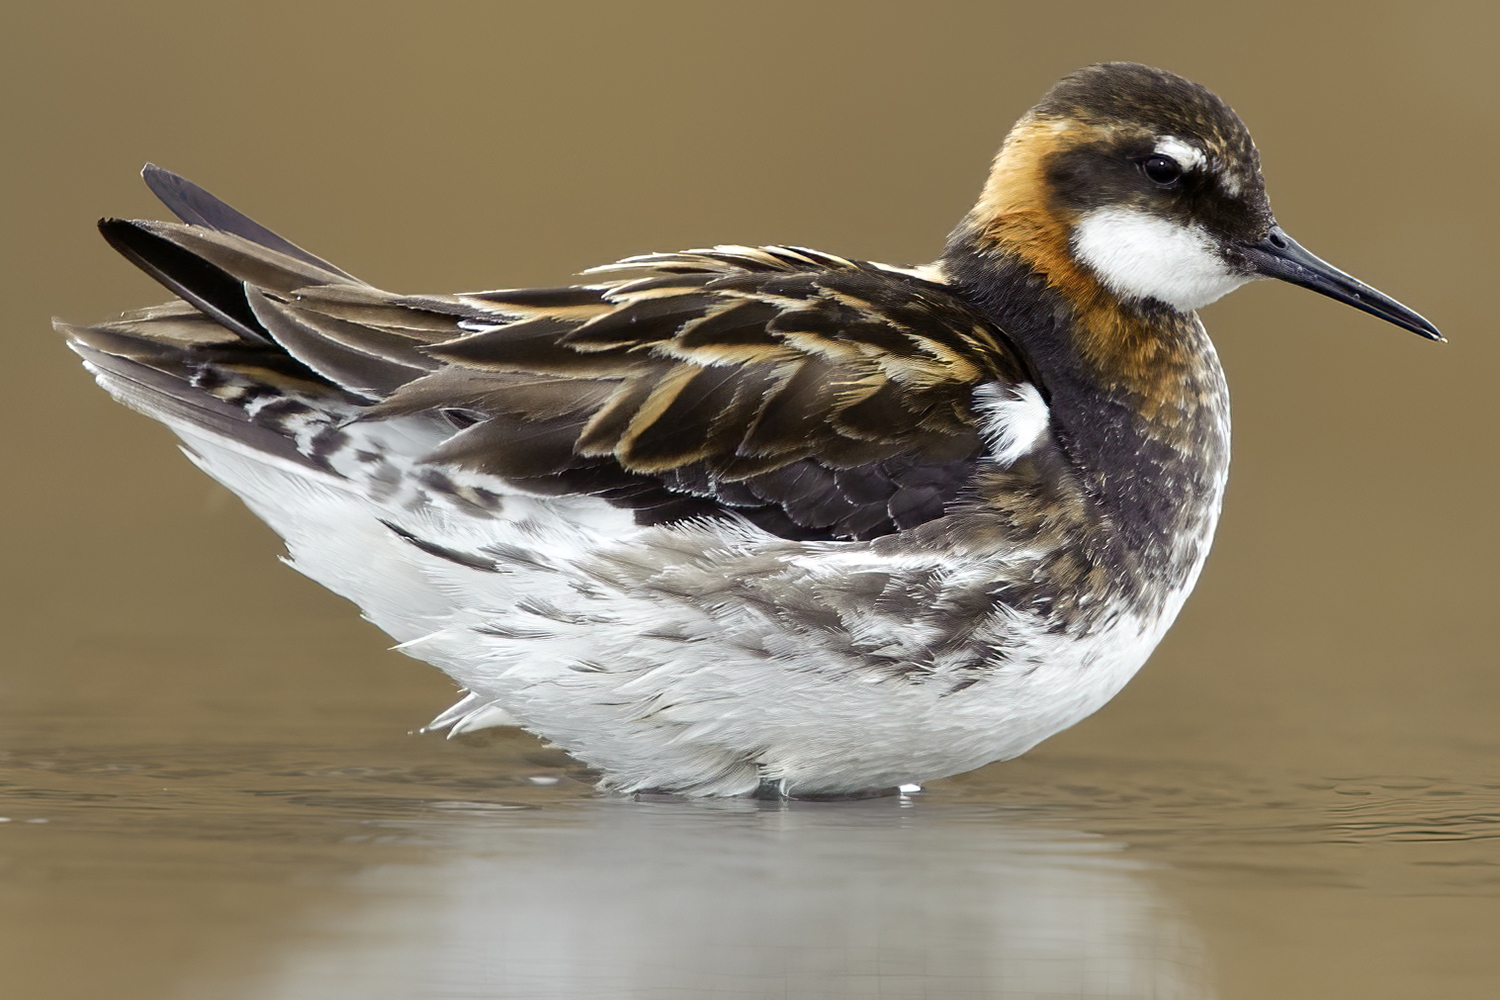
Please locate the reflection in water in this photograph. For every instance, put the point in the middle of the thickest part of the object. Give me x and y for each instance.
(385, 866)
(620, 899)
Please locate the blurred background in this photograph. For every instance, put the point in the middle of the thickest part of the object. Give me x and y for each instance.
(1307, 768)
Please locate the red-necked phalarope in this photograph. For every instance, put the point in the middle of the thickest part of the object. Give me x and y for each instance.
(757, 518)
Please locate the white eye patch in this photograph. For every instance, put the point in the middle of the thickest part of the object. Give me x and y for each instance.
(1188, 156)
(1138, 255)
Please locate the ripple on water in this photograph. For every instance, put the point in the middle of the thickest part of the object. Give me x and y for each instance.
(459, 862)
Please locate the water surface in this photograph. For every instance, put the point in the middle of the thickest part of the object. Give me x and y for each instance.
(361, 862)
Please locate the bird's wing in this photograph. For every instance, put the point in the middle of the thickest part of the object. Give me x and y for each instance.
(816, 396)
(819, 397)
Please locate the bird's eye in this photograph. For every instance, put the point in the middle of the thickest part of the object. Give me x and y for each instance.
(1161, 170)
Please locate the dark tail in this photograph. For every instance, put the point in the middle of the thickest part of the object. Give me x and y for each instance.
(256, 311)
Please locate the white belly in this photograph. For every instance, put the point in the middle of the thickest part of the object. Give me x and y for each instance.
(702, 659)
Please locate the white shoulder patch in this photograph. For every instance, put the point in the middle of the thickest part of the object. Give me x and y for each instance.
(1139, 255)
(1014, 419)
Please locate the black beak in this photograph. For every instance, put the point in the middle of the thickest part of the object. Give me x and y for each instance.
(1280, 256)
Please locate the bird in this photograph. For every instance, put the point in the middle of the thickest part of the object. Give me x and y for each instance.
(756, 520)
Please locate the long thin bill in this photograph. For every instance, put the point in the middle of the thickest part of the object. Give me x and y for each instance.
(1280, 256)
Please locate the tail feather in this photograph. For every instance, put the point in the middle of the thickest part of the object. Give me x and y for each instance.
(262, 369)
(176, 403)
(256, 311)
(209, 288)
(197, 207)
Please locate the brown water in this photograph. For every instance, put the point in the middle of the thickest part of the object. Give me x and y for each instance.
(208, 774)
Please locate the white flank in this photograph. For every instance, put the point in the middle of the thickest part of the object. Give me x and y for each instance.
(1143, 256)
(1014, 419)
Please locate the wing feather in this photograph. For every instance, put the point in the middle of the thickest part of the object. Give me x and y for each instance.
(830, 396)
(815, 395)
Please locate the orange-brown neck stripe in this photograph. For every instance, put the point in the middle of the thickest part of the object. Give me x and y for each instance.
(1154, 356)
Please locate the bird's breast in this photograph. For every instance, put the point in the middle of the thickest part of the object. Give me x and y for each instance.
(1139, 414)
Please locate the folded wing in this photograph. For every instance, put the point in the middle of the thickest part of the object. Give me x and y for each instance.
(815, 396)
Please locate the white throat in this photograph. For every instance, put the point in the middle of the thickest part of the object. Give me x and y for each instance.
(1143, 256)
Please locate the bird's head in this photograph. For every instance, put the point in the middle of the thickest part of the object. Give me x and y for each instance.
(1140, 183)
